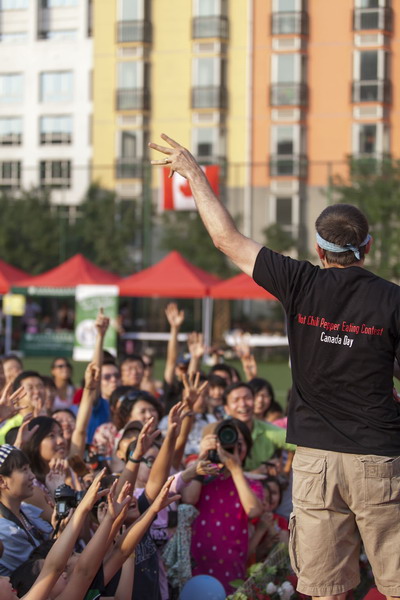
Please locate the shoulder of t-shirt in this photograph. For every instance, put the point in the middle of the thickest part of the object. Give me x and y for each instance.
(275, 272)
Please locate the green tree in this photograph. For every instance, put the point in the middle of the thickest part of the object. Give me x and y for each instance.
(184, 231)
(374, 186)
(105, 230)
(278, 239)
(29, 230)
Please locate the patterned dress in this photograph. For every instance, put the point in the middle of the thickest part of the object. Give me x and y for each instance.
(220, 534)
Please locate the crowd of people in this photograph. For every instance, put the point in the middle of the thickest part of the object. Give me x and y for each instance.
(127, 487)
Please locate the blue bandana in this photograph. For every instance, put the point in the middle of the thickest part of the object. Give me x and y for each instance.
(335, 248)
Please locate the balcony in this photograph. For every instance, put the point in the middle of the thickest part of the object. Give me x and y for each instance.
(134, 31)
(288, 165)
(210, 27)
(209, 96)
(370, 163)
(289, 23)
(133, 99)
(373, 18)
(288, 94)
(129, 168)
(379, 90)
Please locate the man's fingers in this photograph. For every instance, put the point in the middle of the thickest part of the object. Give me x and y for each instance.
(160, 148)
(160, 162)
(169, 140)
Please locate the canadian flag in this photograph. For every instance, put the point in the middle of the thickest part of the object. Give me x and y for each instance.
(175, 192)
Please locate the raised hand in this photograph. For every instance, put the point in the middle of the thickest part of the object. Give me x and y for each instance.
(10, 402)
(94, 493)
(192, 388)
(92, 376)
(57, 474)
(175, 417)
(196, 345)
(148, 434)
(101, 323)
(163, 499)
(177, 157)
(118, 507)
(24, 433)
(174, 316)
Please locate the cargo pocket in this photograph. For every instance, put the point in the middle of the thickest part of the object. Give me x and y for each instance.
(382, 480)
(294, 559)
(309, 480)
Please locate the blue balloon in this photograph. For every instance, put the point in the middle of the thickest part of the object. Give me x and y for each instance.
(203, 587)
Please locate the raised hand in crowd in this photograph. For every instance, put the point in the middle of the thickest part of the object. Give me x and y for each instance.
(25, 434)
(196, 349)
(78, 439)
(10, 403)
(192, 389)
(101, 323)
(249, 364)
(175, 319)
(59, 470)
(174, 316)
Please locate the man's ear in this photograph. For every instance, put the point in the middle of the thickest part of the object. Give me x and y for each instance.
(3, 483)
(368, 246)
(320, 251)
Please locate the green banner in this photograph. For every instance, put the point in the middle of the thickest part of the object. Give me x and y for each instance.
(51, 343)
(88, 300)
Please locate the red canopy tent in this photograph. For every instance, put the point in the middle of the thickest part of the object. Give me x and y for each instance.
(240, 287)
(9, 275)
(62, 280)
(172, 277)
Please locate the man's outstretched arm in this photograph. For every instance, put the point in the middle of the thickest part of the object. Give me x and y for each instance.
(217, 220)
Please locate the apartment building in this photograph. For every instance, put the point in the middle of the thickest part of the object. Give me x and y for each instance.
(325, 82)
(46, 61)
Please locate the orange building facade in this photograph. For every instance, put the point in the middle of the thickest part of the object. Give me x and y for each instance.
(324, 90)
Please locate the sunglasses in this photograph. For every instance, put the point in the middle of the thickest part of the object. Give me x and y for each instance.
(109, 376)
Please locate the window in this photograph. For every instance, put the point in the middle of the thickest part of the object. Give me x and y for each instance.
(210, 8)
(58, 3)
(10, 131)
(13, 4)
(209, 90)
(284, 211)
(288, 151)
(56, 129)
(288, 79)
(55, 173)
(133, 85)
(10, 175)
(129, 164)
(371, 71)
(11, 87)
(131, 10)
(371, 139)
(209, 144)
(61, 34)
(56, 86)
(14, 38)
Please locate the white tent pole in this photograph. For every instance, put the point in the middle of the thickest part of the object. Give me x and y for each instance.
(207, 306)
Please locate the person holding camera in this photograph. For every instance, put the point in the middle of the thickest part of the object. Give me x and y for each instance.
(226, 503)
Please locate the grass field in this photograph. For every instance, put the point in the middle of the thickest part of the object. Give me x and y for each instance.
(278, 373)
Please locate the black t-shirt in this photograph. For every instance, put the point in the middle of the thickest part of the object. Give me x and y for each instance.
(344, 333)
(146, 583)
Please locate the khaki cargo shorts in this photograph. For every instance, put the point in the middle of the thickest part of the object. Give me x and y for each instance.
(338, 500)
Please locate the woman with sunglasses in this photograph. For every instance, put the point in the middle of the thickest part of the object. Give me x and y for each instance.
(61, 372)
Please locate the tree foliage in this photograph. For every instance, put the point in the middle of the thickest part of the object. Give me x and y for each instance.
(278, 239)
(374, 186)
(105, 230)
(184, 231)
(36, 235)
(29, 231)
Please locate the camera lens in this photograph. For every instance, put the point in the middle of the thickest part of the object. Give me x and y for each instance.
(227, 435)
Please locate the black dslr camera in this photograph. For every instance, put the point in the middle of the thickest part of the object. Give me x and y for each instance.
(66, 498)
(227, 436)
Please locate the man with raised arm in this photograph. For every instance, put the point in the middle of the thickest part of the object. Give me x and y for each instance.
(343, 329)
